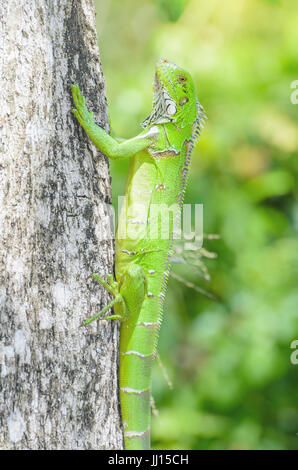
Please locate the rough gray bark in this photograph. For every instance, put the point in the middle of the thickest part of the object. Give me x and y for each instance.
(58, 381)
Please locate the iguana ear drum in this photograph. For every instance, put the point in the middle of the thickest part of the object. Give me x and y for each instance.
(171, 108)
(183, 100)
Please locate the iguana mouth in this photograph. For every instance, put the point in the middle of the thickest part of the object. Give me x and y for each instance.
(163, 105)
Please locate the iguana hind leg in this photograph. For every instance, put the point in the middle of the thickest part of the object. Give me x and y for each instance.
(128, 294)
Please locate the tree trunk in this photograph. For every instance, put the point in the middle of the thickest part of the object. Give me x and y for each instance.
(58, 381)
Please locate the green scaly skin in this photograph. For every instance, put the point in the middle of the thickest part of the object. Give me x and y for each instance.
(160, 157)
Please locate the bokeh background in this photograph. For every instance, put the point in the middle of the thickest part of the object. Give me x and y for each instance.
(227, 357)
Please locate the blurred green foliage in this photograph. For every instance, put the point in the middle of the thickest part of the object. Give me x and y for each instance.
(229, 358)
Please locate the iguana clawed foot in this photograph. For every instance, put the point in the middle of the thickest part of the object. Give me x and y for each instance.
(81, 112)
(128, 294)
(112, 287)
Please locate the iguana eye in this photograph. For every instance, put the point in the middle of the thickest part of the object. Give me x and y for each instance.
(183, 100)
(182, 78)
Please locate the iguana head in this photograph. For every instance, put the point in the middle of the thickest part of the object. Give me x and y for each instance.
(174, 97)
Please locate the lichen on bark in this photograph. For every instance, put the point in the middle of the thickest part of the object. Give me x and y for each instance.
(58, 381)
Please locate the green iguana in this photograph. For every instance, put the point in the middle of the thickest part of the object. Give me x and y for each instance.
(160, 157)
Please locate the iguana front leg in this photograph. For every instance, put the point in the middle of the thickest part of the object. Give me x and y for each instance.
(103, 141)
